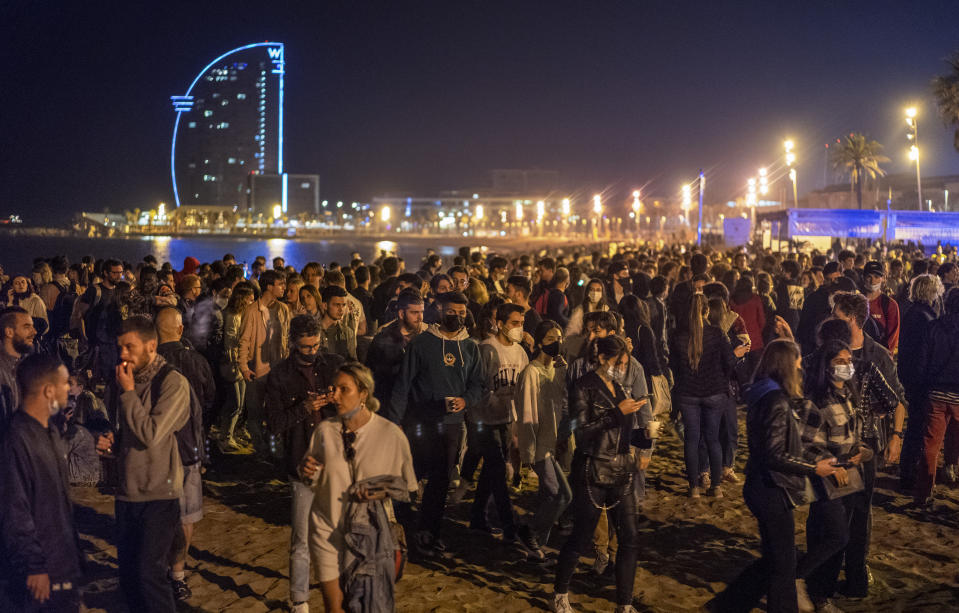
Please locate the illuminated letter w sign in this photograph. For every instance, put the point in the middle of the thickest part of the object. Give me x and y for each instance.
(276, 53)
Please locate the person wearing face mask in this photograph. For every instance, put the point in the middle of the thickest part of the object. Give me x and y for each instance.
(832, 424)
(41, 562)
(540, 407)
(604, 417)
(620, 282)
(883, 309)
(442, 375)
(356, 460)
(595, 300)
(297, 400)
(489, 427)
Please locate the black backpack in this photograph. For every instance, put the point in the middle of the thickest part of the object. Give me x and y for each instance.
(189, 438)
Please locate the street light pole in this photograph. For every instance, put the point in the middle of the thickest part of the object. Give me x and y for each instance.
(702, 187)
(913, 123)
(790, 158)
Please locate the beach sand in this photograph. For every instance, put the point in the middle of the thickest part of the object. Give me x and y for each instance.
(689, 549)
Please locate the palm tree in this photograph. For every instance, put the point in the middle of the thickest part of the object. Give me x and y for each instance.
(946, 91)
(860, 158)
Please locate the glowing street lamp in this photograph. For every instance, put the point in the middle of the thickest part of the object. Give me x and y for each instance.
(913, 135)
(519, 211)
(277, 211)
(478, 215)
(687, 201)
(598, 204)
(540, 211)
(637, 206)
(565, 208)
(385, 213)
(763, 182)
(790, 160)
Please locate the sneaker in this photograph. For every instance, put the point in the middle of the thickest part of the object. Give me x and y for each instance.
(805, 603)
(527, 541)
(729, 476)
(300, 607)
(827, 606)
(424, 544)
(561, 604)
(600, 563)
(715, 492)
(484, 528)
(704, 481)
(181, 591)
(950, 474)
(695, 492)
(459, 492)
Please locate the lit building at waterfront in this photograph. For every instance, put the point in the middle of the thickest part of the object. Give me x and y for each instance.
(229, 126)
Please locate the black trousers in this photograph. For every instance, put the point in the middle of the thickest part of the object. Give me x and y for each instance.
(434, 454)
(15, 597)
(585, 517)
(912, 441)
(827, 534)
(859, 513)
(146, 533)
(773, 574)
(492, 445)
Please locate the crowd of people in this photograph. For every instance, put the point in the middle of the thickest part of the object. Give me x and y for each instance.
(387, 394)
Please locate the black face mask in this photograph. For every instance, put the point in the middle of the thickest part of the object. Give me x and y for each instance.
(306, 360)
(626, 284)
(452, 322)
(552, 349)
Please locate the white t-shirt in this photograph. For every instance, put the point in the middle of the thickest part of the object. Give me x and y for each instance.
(381, 449)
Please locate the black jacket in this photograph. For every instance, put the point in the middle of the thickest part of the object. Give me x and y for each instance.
(874, 353)
(36, 516)
(385, 359)
(913, 343)
(777, 457)
(287, 414)
(941, 362)
(815, 309)
(717, 365)
(596, 419)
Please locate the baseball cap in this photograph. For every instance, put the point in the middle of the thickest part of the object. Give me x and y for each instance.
(873, 268)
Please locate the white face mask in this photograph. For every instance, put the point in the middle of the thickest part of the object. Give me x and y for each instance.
(875, 287)
(515, 334)
(54, 407)
(221, 302)
(615, 374)
(843, 372)
(595, 296)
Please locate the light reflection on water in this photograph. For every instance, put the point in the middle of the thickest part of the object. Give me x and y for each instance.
(17, 252)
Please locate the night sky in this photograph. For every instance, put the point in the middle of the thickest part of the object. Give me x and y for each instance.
(418, 97)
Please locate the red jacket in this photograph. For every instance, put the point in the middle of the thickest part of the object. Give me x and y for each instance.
(754, 315)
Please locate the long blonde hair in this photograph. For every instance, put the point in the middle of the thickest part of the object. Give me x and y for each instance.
(698, 311)
(363, 377)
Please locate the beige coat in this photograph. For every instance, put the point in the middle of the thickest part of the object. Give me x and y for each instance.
(264, 336)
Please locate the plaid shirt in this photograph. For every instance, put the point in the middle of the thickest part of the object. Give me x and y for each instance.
(834, 426)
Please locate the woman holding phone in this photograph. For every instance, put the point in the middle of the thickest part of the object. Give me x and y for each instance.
(347, 453)
(603, 467)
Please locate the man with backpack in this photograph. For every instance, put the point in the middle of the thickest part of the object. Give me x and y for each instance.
(92, 315)
(191, 364)
(152, 402)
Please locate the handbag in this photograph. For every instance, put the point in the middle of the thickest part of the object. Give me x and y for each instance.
(833, 490)
(616, 471)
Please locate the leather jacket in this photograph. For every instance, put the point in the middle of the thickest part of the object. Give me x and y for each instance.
(777, 456)
(596, 419)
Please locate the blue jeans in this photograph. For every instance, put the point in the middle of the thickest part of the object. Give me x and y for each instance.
(554, 496)
(728, 438)
(299, 541)
(701, 418)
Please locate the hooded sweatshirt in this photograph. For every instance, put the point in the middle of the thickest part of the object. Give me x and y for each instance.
(435, 368)
(149, 458)
(540, 406)
(501, 368)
